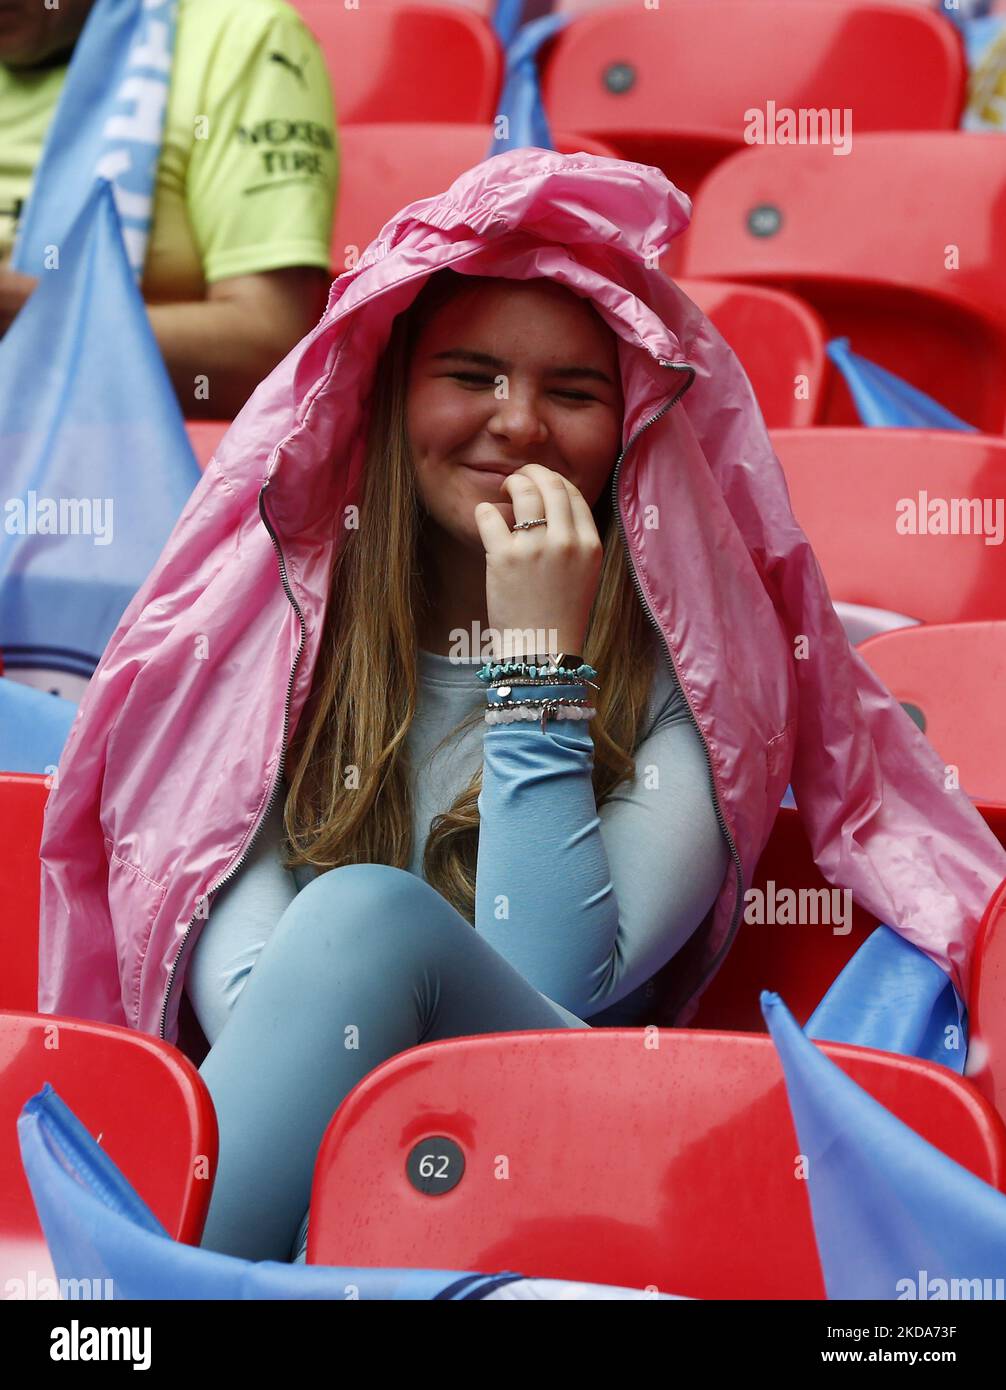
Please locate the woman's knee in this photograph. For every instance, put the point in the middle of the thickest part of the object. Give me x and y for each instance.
(375, 905)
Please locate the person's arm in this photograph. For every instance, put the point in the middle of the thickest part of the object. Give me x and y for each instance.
(218, 350)
(259, 194)
(588, 906)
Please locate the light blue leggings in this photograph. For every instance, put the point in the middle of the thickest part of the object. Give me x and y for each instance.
(367, 961)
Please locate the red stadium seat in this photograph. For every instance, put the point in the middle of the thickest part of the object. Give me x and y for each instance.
(204, 436)
(407, 62)
(866, 239)
(22, 803)
(672, 87)
(987, 1006)
(598, 1155)
(777, 338)
(955, 675)
(384, 167)
(145, 1103)
(798, 961)
(846, 486)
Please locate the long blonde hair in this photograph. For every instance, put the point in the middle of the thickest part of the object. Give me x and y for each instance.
(350, 798)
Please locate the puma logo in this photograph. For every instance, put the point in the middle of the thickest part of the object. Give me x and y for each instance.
(296, 68)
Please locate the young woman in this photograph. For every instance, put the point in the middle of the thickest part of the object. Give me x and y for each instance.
(494, 434)
(282, 805)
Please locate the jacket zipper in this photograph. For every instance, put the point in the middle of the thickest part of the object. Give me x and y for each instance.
(663, 641)
(282, 756)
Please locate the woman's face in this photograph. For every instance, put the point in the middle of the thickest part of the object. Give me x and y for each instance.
(507, 373)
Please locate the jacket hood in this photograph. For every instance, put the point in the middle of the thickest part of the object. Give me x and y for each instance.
(173, 762)
(554, 220)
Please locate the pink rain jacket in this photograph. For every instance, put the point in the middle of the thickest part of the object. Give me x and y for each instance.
(177, 750)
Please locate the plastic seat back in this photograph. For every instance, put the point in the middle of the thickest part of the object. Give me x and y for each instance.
(952, 676)
(673, 85)
(865, 498)
(600, 1155)
(142, 1099)
(795, 939)
(94, 1220)
(385, 167)
(778, 339)
(22, 804)
(864, 239)
(407, 62)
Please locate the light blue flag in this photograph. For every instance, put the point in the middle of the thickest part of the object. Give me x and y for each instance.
(109, 123)
(97, 464)
(506, 20)
(894, 1218)
(883, 400)
(520, 102)
(891, 996)
(33, 727)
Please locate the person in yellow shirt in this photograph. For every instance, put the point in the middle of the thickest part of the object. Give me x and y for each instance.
(237, 264)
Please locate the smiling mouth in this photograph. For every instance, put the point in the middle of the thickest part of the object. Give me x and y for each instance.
(489, 477)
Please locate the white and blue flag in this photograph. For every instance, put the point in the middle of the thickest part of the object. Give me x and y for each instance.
(97, 466)
(108, 124)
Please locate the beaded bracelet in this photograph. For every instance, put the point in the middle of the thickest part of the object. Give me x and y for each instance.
(509, 711)
(491, 670)
(506, 676)
(513, 716)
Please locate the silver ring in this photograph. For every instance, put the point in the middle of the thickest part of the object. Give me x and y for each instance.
(525, 525)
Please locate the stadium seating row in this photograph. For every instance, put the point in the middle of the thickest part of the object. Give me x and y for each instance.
(690, 1186)
(918, 291)
(669, 86)
(687, 84)
(418, 86)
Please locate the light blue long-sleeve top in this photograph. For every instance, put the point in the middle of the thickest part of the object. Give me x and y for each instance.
(587, 905)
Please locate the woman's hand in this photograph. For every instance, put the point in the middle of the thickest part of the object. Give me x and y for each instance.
(544, 578)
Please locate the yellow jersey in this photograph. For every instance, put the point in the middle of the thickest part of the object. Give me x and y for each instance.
(248, 170)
